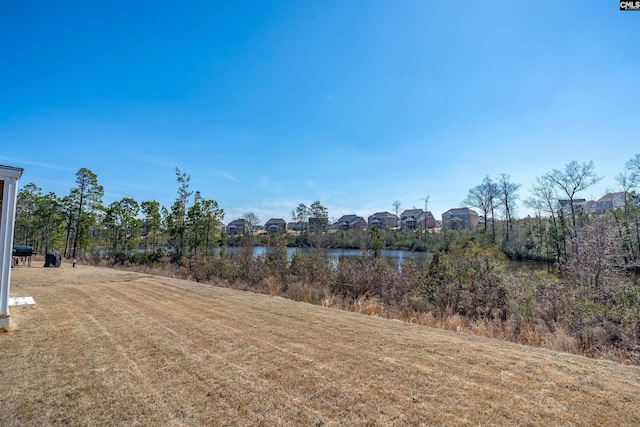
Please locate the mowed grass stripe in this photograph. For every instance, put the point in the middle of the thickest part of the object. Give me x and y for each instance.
(114, 383)
(254, 349)
(200, 354)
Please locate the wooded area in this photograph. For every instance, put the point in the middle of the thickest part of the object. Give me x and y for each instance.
(591, 294)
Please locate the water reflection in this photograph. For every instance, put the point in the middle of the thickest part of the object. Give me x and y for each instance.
(395, 257)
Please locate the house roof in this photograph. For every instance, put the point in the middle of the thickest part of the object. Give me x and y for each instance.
(412, 212)
(238, 222)
(460, 211)
(384, 214)
(382, 217)
(348, 218)
(11, 171)
(276, 221)
(610, 196)
(8, 172)
(348, 221)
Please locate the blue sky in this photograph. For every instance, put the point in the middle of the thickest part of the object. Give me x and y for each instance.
(268, 104)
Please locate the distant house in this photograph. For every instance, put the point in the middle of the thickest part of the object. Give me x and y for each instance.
(383, 220)
(275, 225)
(565, 205)
(412, 219)
(460, 219)
(409, 219)
(297, 226)
(429, 221)
(237, 227)
(610, 201)
(580, 205)
(351, 222)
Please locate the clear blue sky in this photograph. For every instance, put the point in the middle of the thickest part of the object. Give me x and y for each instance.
(268, 104)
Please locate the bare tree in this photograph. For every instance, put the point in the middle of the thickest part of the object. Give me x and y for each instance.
(629, 180)
(544, 200)
(485, 198)
(633, 167)
(396, 207)
(301, 216)
(622, 220)
(507, 194)
(574, 178)
(626, 182)
(423, 223)
(252, 219)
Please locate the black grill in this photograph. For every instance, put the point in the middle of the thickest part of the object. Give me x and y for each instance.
(23, 251)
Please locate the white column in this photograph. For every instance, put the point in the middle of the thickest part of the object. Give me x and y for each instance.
(7, 220)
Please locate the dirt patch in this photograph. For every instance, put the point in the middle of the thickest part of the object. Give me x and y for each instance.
(108, 347)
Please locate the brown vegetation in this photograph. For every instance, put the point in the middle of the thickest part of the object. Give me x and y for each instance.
(108, 347)
(466, 289)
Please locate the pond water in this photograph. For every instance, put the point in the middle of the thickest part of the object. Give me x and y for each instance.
(395, 257)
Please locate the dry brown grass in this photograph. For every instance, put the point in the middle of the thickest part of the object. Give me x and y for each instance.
(108, 347)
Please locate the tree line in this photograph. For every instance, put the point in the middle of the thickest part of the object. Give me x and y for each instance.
(591, 304)
(560, 233)
(80, 222)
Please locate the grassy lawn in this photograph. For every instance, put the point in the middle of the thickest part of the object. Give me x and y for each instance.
(109, 347)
